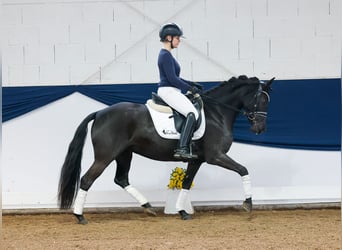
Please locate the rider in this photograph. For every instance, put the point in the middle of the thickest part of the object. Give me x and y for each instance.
(171, 88)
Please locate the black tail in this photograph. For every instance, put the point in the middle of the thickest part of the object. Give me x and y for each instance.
(70, 173)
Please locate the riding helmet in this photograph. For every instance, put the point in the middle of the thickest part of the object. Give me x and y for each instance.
(171, 29)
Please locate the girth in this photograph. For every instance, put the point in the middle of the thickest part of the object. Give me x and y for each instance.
(178, 117)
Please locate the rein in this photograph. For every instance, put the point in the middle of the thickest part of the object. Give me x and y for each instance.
(212, 100)
(251, 115)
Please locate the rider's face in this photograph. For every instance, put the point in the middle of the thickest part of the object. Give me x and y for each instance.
(175, 41)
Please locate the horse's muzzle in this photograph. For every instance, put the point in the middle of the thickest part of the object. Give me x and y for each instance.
(258, 126)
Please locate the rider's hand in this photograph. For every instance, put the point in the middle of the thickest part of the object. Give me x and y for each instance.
(197, 85)
(194, 90)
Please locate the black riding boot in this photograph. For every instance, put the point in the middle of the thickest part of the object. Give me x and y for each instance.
(184, 149)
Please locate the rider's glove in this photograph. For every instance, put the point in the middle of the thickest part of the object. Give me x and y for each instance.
(197, 85)
(194, 90)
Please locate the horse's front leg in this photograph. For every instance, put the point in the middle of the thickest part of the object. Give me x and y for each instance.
(191, 171)
(226, 162)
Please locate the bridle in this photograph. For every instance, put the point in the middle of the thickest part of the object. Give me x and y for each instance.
(251, 115)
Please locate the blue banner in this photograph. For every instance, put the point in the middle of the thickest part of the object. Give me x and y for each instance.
(303, 114)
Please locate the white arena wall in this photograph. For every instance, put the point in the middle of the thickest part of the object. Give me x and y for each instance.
(59, 42)
(65, 42)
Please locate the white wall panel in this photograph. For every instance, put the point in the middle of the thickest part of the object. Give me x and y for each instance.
(335, 7)
(284, 48)
(286, 27)
(222, 50)
(99, 52)
(320, 47)
(21, 35)
(281, 9)
(53, 34)
(98, 12)
(39, 54)
(207, 71)
(251, 8)
(240, 67)
(329, 66)
(329, 26)
(12, 15)
(193, 50)
(153, 48)
(14, 55)
(23, 74)
(227, 29)
(220, 9)
(68, 13)
(137, 53)
(69, 54)
(34, 14)
(115, 32)
(210, 26)
(257, 48)
(139, 32)
(127, 12)
(159, 11)
(244, 8)
(314, 9)
(80, 71)
(58, 74)
(119, 70)
(144, 72)
(84, 33)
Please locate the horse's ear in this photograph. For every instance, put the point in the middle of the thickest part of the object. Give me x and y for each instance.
(269, 82)
(267, 85)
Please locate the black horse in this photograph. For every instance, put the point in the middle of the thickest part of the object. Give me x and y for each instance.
(125, 128)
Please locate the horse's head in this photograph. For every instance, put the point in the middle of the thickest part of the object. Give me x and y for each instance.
(256, 108)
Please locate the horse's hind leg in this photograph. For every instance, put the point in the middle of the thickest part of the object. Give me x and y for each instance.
(87, 180)
(123, 162)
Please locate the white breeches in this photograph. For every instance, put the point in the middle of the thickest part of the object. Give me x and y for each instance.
(177, 100)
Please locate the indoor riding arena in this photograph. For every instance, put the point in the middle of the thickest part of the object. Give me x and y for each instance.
(85, 167)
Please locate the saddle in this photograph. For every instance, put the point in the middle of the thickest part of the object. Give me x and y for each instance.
(158, 104)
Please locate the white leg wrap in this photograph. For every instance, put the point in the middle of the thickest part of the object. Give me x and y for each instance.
(79, 201)
(182, 198)
(136, 194)
(246, 181)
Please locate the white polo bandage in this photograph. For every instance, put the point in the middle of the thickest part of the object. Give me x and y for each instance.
(246, 182)
(79, 201)
(136, 194)
(182, 199)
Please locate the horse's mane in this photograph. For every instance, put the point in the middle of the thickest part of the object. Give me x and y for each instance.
(233, 83)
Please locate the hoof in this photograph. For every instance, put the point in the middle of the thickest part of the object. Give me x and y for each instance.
(184, 215)
(247, 205)
(150, 211)
(81, 219)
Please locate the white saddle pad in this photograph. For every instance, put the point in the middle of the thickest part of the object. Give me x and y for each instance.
(165, 125)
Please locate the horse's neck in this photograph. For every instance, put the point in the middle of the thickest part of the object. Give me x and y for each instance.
(223, 110)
